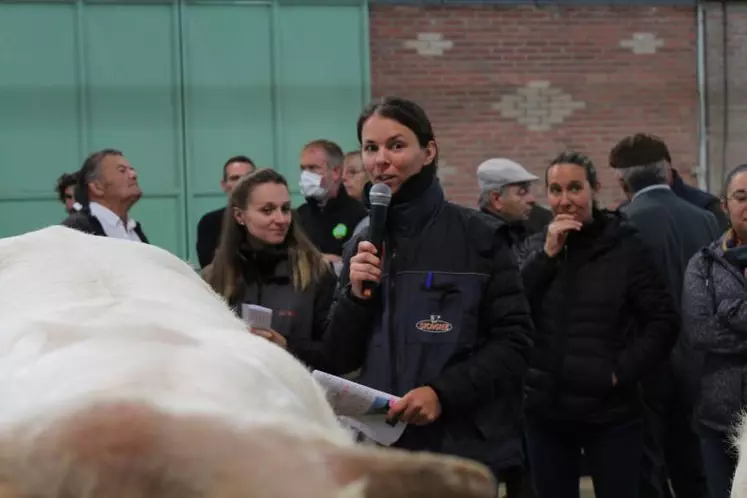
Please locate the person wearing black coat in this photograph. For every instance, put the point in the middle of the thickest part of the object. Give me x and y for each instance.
(447, 328)
(674, 229)
(265, 259)
(643, 148)
(604, 319)
(106, 191)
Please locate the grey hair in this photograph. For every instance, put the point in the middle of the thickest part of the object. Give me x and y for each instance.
(484, 198)
(637, 178)
(90, 172)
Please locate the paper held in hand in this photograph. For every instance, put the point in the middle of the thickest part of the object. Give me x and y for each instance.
(258, 317)
(361, 407)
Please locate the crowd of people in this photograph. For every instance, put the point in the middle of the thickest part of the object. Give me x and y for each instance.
(543, 343)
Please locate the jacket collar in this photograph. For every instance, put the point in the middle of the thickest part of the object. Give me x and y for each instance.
(408, 219)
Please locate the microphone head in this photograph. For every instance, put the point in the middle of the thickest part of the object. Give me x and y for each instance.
(380, 195)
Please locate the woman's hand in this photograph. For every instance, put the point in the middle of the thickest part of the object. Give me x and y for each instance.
(557, 233)
(420, 407)
(365, 265)
(271, 336)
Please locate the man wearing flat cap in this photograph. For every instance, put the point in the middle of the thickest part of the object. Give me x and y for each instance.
(505, 193)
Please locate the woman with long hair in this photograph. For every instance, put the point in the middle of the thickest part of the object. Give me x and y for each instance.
(265, 259)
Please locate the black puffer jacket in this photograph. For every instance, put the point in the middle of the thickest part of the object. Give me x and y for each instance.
(600, 308)
(450, 313)
(299, 316)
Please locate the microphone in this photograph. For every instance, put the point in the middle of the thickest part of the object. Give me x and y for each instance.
(380, 196)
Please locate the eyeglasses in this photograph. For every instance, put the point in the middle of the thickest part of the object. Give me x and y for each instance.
(740, 196)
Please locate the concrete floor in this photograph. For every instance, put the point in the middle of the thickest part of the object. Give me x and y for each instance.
(587, 489)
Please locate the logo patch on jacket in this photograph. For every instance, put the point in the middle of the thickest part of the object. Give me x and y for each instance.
(434, 325)
(340, 231)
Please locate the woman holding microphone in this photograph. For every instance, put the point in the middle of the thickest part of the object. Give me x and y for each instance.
(447, 328)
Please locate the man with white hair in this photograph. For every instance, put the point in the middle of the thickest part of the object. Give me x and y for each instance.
(123, 375)
(675, 229)
(505, 193)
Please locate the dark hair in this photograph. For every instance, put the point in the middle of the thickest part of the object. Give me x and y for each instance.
(638, 150)
(89, 172)
(742, 168)
(405, 112)
(335, 156)
(63, 182)
(236, 159)
(224, 274)
(581, 160)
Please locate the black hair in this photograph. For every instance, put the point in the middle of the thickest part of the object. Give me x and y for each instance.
(638, 150)
(578, 159)
(63, 182)
(237, 159)
(742, 168)
(405, 112)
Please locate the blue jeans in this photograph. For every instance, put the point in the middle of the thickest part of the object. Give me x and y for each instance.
(613, 451)
(719, 462)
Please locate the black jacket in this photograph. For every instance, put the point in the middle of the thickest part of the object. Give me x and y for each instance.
(331, 226)
(674, 230)
(699, 198)
(208, 235)
(450, 313)
(84, 221)
(517, 233)
(300, 317)
(600, 307)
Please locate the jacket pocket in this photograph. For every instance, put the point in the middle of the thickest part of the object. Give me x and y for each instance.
(432, 308)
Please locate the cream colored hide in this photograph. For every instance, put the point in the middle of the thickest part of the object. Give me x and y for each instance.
(123, 375)
(739, 483)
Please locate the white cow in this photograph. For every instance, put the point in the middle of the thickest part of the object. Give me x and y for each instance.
(123, 375)
(739, 482)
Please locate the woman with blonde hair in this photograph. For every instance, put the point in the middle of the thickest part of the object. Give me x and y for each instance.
(264, 258)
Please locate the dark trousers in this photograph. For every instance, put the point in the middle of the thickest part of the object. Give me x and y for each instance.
(613, 452)
(517, 482)
(671, 448)
(719, 462)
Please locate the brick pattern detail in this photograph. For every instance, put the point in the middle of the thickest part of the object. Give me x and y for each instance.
(429, 44)
(538, 106)
(727, 104)
(642, 43)
(572, 50)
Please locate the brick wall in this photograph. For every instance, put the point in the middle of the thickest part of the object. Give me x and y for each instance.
(727, 145)
(527, 82)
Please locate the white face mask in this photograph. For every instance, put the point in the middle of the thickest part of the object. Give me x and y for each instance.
(311, 186)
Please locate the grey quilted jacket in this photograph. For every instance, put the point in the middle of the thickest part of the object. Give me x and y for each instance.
(714, 307)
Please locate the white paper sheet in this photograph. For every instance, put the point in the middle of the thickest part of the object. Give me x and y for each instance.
(258, 317)
(361, 407)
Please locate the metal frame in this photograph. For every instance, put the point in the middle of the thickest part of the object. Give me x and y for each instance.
(539, 3)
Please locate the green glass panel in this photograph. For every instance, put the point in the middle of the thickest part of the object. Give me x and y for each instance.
(132, 72)
(321, 82)
(228, 97)
(39, 138)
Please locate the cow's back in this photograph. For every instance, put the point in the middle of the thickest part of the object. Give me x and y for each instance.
(122, 320)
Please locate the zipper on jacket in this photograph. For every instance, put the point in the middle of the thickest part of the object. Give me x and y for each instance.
(392, 347)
